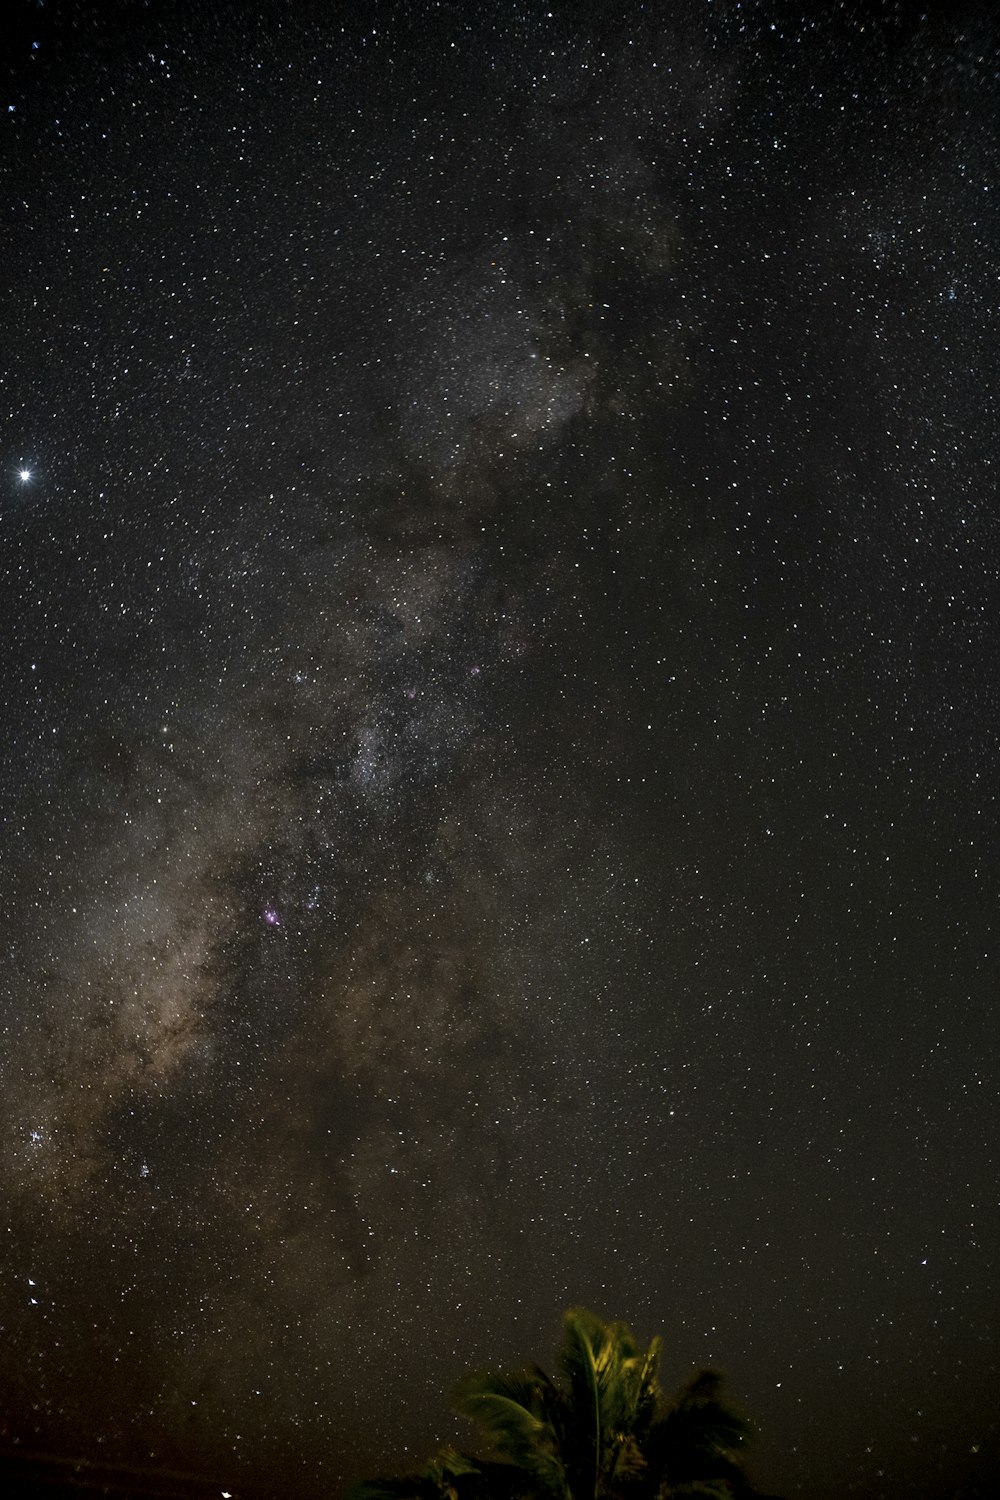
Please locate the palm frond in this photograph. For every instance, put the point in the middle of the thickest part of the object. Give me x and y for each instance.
(510, 1410)
(611, 1399)
(699, 1437)
(703, 1410)
(450, 1464)
(585, 1369)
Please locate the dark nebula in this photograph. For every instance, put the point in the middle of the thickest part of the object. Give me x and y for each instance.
(500, 583)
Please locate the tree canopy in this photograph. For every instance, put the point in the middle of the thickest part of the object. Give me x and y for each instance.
(598, 1429)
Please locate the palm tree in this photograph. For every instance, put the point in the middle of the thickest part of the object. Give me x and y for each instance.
(599, 1430)
(578, 1437)
(693, 1445)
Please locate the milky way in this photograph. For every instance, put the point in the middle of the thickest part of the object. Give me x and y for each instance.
(499, 570)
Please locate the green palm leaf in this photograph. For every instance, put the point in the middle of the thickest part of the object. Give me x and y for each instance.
(513, 1410)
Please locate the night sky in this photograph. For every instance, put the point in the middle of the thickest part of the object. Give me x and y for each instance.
(500, 694)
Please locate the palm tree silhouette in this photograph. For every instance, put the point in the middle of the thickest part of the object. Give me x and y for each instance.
(693, 1445)
(601, 1430)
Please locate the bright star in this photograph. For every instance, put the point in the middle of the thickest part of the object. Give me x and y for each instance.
(24, 475)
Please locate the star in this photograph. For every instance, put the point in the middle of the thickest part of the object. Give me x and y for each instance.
(24, 475)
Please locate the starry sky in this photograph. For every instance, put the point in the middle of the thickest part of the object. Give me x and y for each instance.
(500, 585)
